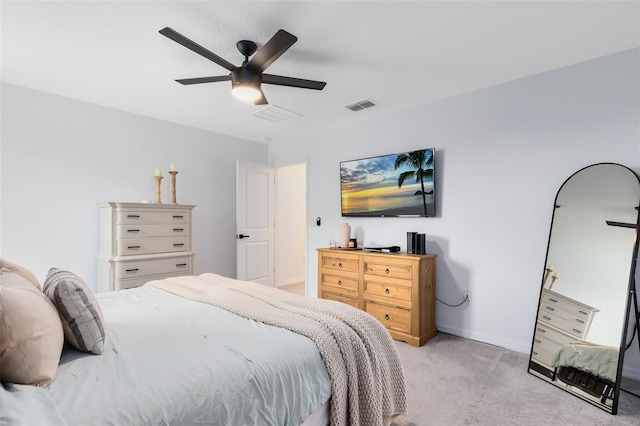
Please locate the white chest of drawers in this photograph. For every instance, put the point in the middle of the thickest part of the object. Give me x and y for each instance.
(143, 242)
(561, 321)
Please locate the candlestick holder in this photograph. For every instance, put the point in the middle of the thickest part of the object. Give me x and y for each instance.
(549, 270)
(173, 174)
(158, 181)
(553, 281)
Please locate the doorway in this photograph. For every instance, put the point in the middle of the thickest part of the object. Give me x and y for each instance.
(291, 228)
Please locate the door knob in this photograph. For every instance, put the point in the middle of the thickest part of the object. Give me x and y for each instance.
(241, 236)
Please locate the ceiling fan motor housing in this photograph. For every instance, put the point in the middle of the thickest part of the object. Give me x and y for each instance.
(246, 76)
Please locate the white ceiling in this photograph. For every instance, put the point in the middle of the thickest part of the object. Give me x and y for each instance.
(397, 54)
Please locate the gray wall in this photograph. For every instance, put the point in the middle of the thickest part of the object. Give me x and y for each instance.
(61, 157)
(501, 155)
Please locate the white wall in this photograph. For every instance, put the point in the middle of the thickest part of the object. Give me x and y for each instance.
(501, 155)
(291, 224)
(60, 157)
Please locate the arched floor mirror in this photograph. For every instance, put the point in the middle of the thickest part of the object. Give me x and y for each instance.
(586, 291)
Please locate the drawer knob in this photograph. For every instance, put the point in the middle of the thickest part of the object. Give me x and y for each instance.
(387, 291)
(178, 216)
(547, 318)
(178, 244)
(133, 247)
(133, 270)
(181, 265)
(386, 316)
(577, 331)
(133, 216)
(538, 341)
(178, 229)
(549, 308)
(339, 282)
(133, 230)
(339, 265)
(553, 300)
(386, 271)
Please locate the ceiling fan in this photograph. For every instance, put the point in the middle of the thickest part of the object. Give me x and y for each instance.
(246, 80)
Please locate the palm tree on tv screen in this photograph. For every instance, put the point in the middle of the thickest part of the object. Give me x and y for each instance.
(421, 161)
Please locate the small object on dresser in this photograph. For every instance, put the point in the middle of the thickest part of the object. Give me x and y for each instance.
(173, 171)
(411, 242)
(158, 178)
(345, 235)
(353, 243)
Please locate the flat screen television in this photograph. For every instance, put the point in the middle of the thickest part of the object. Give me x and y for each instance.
(394, 185)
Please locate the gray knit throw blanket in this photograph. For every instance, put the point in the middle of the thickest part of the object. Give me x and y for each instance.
(367, 381)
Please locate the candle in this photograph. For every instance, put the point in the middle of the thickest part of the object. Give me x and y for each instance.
(550, 267)
(158, 172)
(173, 168)
(555, 275)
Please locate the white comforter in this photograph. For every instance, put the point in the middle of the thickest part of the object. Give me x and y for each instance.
(367, 380)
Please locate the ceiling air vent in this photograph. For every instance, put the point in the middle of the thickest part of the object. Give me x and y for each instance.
(276, 114)
(360, 105)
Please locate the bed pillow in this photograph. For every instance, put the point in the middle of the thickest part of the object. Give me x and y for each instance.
(31, 336)
(79, 311)
(23, 272)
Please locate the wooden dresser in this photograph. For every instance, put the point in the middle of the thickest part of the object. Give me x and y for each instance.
(398, 289)
(561, 321)
(143, 242)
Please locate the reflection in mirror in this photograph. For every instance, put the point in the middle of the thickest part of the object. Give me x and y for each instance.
(579, 338)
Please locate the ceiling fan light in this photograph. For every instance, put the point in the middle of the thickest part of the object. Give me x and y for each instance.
(245, 92)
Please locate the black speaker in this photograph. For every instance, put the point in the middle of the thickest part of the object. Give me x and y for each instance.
(411, 242)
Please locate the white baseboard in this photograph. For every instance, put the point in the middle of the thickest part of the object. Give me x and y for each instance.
(485, 338)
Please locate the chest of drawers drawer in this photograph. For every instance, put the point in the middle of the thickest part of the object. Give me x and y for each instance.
(394, 294)
(339, 282)
(134, 246)
(143, 231)
(381, 267)
(132, 217)
(350, 298)
(341, 263)
(136, 268)
(393, 318)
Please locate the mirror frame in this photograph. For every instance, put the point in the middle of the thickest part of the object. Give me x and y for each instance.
(631, 300)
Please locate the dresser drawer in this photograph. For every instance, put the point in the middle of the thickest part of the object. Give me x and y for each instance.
(387, 293)
(571, 316)
(346, 264)
(128, 217)
(543, 354)
(391, 317)
(564, 308)
(139, 282)
(340, 282)
(379, 267)
(140, 268)
(151, 245)
(145, 231)
(349, 300)
(543, 330)
(572, 327)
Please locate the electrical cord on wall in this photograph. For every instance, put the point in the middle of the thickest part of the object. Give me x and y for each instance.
(454, 306)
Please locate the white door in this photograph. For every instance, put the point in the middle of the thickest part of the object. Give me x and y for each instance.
(255, 222)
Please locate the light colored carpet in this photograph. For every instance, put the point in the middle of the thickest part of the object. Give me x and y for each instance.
(297, 288)
(455, 381)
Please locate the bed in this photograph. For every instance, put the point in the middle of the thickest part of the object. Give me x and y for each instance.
(589, 367)
(211, 350)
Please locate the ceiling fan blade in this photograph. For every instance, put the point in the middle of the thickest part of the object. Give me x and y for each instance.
(200, 80)
(276, 46)
(293, 82)
(192, 45)
(261, 100)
